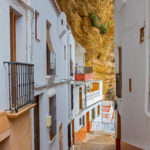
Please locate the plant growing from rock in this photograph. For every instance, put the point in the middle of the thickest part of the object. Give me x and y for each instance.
(93, 19)
(102, 28)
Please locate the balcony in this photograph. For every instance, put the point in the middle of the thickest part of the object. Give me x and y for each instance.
(92, 98)
(83, 73)
(20, 85)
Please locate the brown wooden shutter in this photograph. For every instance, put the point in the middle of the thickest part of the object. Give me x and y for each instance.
(130, 85)
(80, 97)
(12, 36)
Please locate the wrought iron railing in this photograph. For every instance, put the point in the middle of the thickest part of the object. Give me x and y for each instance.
(83, 70)
(118, 84)
(104, 126)
(21, 84)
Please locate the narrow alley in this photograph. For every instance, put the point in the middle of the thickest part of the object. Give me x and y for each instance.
(74, 74)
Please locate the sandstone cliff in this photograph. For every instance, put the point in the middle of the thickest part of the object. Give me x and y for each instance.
(99, 47)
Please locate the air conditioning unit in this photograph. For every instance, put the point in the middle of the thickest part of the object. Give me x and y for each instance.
(48, 121)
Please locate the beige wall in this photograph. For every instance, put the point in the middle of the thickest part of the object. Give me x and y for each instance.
(16, 132)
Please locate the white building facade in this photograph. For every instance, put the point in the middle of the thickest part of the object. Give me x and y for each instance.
(86, 97)
(132, 68)
(37, 48)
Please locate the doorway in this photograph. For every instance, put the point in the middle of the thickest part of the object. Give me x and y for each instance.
(73, 134)
(69, 136)
(118, 138)
(36, 125)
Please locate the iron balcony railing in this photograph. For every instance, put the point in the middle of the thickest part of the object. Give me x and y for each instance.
(83, 70)
(21, 84)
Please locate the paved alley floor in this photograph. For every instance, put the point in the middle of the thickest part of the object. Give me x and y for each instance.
(97, 141)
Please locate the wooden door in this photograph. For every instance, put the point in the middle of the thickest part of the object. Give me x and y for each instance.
(73, 134)
(36, 125)
(80, 97)
(60, 137)
(87, 122)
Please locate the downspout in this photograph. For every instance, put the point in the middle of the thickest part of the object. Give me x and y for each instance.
(147, 63)
(28, 32)
(29, 17)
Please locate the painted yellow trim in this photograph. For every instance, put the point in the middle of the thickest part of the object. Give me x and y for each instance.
(20, 112)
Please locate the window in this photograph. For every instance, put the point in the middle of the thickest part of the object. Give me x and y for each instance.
(52, 113)
(141, 34)
(98, 110)
(51, 56)
(72, 104)
(83, 120)
(71, 62)
(37, 37)
(65, 52)
(119, 76)
(93, 114)
(130, 85)
(80, 121)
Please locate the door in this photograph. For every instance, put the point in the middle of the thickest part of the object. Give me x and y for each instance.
(80, 97)
(60, 137)
(69, 136)
(87, 122)
(36, 125)
(118, 138)
(13, 55)
(73, 134)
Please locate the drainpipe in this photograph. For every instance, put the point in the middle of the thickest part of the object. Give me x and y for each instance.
(147, 55)
(29, 17)
(28, 33)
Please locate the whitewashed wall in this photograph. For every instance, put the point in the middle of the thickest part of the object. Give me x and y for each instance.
(61, 37)
(21, 53)
(129, 18)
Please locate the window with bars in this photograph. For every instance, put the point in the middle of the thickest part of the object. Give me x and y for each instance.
(80, 121)
(93, 114)
(52, 113)
(83, 120)
(72, 103)
(119, 75)
(71, 61)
